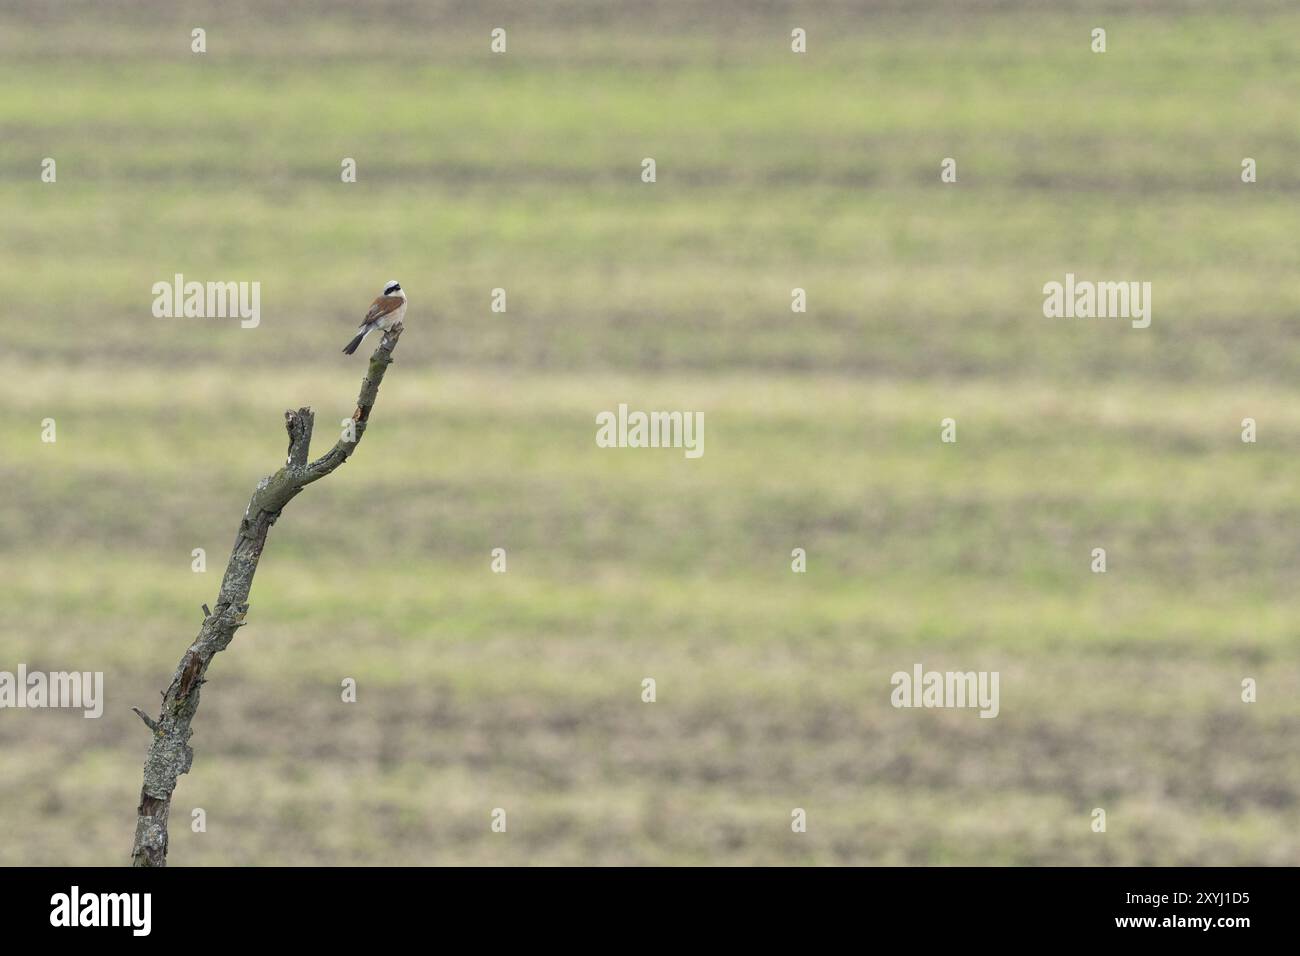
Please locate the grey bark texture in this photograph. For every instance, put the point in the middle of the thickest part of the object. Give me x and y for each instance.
(170, 754)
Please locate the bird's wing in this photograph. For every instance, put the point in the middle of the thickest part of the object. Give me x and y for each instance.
(381, 307)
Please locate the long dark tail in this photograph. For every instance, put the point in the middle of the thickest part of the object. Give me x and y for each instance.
(352, 346)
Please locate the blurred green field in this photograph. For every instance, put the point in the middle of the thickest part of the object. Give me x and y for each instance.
(522, 690)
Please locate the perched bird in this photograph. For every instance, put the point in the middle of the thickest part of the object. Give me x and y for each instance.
(385, 312)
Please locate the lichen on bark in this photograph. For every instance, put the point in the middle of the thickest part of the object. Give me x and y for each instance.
(170, 754)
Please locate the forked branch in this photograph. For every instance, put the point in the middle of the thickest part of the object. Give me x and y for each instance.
(170, 754)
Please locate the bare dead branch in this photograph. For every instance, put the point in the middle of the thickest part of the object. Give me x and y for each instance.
(170, 754)
(148, 721)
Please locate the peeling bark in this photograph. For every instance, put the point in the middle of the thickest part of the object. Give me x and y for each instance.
(170, 754)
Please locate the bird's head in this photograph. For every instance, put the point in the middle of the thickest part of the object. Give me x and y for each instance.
(393, 287)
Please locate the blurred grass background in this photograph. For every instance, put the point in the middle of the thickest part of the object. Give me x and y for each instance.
(522, 171)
